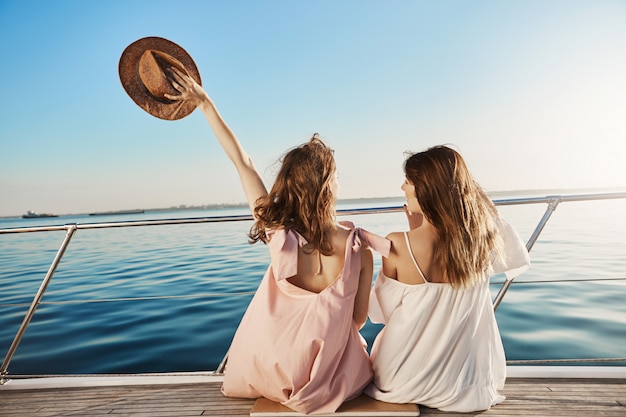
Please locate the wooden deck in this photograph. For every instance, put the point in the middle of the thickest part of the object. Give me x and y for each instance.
(535, 397)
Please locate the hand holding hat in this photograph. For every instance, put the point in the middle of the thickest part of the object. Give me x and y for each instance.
(189, 90)
(145, 70)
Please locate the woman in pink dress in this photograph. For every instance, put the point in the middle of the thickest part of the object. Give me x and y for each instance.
(298, 342)
(440, 345)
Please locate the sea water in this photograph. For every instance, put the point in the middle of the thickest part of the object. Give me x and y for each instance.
(169, 298)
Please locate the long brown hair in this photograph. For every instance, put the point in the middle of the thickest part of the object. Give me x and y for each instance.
(302, 197)
(465, 218)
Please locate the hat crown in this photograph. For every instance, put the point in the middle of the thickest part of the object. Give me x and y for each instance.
(145, 72)
(152, 70)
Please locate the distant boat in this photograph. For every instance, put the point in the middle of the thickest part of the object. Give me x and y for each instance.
(34, 215)
(106, 213)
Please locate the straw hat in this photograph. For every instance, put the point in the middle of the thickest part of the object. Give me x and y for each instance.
(142, 69)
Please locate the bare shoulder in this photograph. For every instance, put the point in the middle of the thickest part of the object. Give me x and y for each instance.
(395, 235)
(390, 263)
(342, 231)
(340, 236)
(396, 238)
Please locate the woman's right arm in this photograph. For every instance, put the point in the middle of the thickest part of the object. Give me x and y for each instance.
(191, 91)
(361, 301)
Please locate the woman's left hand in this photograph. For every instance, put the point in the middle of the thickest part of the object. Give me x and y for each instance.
(415, 219)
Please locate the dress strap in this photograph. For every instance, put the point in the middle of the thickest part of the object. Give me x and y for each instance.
(374, 241)
(408, 244)
(286, 244)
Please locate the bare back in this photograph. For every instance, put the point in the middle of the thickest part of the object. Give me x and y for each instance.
(317, 271)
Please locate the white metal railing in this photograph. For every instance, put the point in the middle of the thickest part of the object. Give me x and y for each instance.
(552, 203)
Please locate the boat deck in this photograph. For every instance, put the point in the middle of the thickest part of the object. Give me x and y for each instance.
(525, 397)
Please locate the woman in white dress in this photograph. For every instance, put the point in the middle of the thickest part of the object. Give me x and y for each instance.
(440, 346)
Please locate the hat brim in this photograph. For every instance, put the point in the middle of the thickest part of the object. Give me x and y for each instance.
(132, 83)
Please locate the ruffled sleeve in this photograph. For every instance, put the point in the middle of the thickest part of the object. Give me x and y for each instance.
(515, 259)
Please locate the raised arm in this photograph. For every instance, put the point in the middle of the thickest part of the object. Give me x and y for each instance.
(191, 91)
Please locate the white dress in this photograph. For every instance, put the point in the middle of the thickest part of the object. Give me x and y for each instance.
(440, 346)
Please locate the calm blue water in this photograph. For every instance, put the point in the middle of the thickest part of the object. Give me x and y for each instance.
(169, 298)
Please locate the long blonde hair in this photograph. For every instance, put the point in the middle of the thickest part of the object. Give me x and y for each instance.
(302, 197)
(465, 218)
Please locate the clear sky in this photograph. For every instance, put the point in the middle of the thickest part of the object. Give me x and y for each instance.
(533, 94)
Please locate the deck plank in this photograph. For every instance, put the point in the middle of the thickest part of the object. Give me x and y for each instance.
(525, 396)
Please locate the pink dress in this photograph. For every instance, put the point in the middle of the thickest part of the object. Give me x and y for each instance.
(297, 347)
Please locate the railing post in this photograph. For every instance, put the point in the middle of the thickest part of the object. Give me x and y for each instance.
(222, 366)
(36, 300)
(554, 202)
